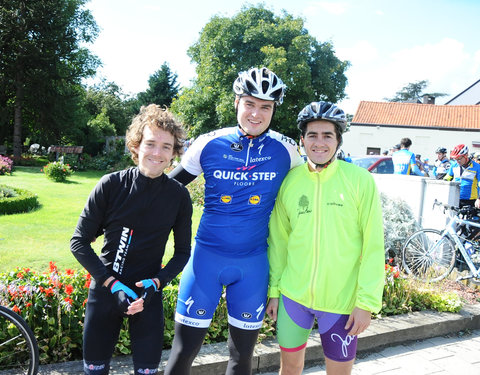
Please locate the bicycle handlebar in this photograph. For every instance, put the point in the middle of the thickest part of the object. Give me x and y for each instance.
(446, 206)
(465, 210)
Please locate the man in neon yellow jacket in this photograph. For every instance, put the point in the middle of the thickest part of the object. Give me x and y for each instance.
(326, 248)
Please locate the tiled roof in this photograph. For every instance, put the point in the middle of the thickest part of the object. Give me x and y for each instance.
(418, 115)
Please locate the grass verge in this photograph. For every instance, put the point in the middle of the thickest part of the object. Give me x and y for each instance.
(35, 238)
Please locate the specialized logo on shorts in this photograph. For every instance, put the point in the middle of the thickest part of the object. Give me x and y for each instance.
(259, 310)
(303, 205)
(254, 200)
(246, 315)
(122, 250)
(226, 199)
(237, 147)
(201, 312)
(189, 302)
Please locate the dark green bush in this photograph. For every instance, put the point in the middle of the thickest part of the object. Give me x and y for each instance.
(14, 200)
(110, 162)
(31, 160)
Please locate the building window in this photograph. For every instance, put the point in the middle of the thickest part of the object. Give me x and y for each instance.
(373, 151)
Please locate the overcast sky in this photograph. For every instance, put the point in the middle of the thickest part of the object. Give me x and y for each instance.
(388, 43)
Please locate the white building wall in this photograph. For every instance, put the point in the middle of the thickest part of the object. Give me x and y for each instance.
(424, 141)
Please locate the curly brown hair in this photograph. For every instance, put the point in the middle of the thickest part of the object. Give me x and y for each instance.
(155, 117)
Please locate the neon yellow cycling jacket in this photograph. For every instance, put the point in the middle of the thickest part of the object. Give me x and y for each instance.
(326, 247)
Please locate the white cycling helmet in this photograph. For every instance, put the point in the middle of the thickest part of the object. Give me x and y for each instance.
(260, 83)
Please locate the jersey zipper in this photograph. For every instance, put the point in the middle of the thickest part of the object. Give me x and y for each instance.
(316, 209)
(250, 145)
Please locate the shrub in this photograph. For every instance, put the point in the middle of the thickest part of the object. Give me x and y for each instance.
(75, 161)
(57, 171)
(53, 305)
(197, 191)
(31, 160)
(403, 294)
(398, 223)
(196, 188)
(110, 162)
(14, 200)
(6, 165)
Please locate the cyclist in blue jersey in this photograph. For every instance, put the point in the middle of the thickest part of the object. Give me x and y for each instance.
(464, 170)
(404, 160)
(442, 164)
(243, 167)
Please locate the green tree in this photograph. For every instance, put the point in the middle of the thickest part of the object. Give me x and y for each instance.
(42, 64)
(162, 88)
(413, 92)
(109, 98)
(256, 37)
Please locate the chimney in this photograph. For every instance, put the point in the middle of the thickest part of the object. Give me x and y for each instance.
(428, 99)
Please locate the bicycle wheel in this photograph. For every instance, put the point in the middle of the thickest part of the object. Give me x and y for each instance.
(428, 256)
(18, 346)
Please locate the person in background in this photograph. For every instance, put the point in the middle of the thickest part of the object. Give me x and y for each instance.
(426, 165)
(421, 165)
(404, 161)
(442, 164)
(326, 248)
(243, 167)
(394, 149)
(466, 171)
(135, 210)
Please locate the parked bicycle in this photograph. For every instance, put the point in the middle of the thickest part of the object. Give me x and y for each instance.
(430, 255)
(18, 346)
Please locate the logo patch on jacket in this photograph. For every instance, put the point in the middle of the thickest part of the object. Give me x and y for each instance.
(303, 206)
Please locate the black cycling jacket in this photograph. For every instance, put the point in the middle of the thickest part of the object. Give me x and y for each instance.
(136, 214)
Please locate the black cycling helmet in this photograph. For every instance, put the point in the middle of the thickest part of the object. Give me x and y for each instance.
(260, 83)
(441, 150)
(322, 111)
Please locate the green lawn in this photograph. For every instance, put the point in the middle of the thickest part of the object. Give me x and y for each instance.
(34, 239)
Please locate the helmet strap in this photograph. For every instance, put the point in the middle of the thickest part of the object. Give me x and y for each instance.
(325, 165)
(249, 136)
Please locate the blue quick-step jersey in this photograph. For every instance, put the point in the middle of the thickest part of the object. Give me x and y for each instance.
(468, 177)
(242, 178)
(404, 163)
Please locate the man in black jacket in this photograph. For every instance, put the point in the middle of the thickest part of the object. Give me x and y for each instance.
(135, 209)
